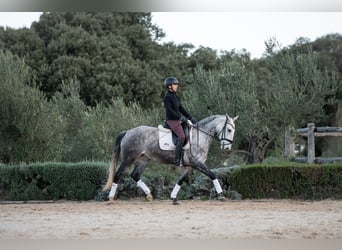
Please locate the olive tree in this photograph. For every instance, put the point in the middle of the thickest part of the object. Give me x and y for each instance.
(229, 90)
(294, 93)
(291, 92)
(29, 130)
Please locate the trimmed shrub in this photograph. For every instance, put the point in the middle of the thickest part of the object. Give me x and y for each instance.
(84, 180)
(51, 181)
(288, 180)
(76, 181)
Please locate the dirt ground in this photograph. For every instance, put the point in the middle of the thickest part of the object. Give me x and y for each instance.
(138, 219)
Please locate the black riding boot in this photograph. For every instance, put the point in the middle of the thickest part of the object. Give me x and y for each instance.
(178, 153)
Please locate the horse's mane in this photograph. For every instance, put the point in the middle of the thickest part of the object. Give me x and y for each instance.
(208, 119)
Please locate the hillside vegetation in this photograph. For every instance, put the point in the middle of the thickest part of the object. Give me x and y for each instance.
(72, 81)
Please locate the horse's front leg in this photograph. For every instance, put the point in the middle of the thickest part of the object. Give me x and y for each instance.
(178, 185)
(205, 170)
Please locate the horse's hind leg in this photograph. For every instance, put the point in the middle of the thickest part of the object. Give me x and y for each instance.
(123, 166)
(139, 168)
(177, 187)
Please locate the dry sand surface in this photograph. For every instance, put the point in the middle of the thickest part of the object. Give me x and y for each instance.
(137, 219)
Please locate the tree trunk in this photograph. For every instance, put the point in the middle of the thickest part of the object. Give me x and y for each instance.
(289, 148)
(333, 145)
(255, 152)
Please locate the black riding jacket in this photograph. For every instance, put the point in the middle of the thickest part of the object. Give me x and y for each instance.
(174, 108)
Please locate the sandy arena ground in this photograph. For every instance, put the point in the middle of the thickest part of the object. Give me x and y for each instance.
(247, 219)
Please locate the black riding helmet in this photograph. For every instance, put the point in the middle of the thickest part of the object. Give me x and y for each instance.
(170, 80)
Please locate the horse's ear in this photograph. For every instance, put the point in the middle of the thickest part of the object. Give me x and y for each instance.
(235, 118)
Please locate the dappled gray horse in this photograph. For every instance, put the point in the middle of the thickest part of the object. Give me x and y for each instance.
(141, 144)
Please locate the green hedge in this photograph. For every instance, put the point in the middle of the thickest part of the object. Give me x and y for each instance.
(288, 180)
(77, 181)
(51, 181)
(84, 180)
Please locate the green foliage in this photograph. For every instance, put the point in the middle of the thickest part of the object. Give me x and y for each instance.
(229, 90)
(298, 90)
(102, 125)
(292, 92)
(27, 126)
(101, 73)
(289, 181)
(52, 181)
(62, 129)
(204, 57)
(89, 133)
(110, 54)
(76, 181)
(287, 89)
(70, 110)
(84, 180)
(329, 52)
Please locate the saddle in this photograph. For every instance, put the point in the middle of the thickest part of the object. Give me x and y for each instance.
(168, 139)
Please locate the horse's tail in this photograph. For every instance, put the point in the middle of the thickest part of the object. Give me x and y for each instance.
(116, 156)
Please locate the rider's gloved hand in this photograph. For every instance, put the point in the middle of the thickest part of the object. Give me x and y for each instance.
(183, 119)
(193, 120)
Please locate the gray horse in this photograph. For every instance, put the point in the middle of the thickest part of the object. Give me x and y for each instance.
(141, 144)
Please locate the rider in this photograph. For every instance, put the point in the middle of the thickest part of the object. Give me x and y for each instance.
(174, 118)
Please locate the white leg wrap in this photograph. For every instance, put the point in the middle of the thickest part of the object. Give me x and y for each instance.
(217, 186)
(143, 186)
(113, 190)
(175, 191)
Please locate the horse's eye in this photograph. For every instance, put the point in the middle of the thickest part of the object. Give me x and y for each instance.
(229, 130)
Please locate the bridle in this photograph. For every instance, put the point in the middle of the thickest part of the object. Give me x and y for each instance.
(223, 132)
(216, 135)
(226, 141)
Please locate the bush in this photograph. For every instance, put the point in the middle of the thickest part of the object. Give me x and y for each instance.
(51, 181)
(28, 129)
(76, 181)
(288, 180)
(84, 180)
(101, 125)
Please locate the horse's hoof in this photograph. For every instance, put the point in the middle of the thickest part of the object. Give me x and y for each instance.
(175, 201)
(110, 201)
(220, 197)
(149, 197)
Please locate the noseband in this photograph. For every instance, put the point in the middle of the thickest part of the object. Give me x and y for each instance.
(223, 132)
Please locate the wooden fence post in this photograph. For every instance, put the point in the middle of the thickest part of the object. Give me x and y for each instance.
(311, 143)
(310, 132)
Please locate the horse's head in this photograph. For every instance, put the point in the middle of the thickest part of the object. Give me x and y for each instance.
(226, 134)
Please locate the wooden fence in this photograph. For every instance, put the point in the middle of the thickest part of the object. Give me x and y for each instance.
(311, 132)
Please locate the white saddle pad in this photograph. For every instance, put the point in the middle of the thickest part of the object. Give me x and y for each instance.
(165, 139)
